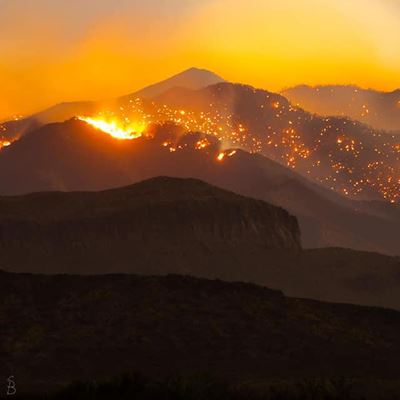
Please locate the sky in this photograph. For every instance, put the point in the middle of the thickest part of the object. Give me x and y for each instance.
(65, 50)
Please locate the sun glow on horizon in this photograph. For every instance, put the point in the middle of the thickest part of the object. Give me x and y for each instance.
(109, 48)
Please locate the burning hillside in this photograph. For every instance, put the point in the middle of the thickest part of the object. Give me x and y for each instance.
(124, 130)
(338, 153)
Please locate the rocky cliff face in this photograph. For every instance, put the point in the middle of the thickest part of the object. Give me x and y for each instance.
(162, 222)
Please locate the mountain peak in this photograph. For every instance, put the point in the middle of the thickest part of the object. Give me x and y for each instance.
(200, 71)
(192, 78)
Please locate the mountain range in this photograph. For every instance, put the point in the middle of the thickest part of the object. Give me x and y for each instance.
(73, 156)
(335, 152)
(381, 110)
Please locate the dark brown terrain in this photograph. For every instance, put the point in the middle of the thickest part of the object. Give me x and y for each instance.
(66, 328)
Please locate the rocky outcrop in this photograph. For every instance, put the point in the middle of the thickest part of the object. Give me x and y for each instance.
(162, 222)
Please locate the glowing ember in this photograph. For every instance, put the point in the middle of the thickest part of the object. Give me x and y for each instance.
(221, 156)
(276, 104)
(202, 144)
(4, 143)
(118, 130)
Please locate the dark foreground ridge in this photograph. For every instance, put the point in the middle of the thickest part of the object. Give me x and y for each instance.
(205, 387)
(67, 328)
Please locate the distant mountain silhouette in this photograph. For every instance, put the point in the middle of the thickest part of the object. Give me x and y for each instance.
(381, 110)
(69, 328)
(73, 156)
(193, 78)
(64, 111)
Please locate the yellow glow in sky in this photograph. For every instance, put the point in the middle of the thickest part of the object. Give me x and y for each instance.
(63, 50)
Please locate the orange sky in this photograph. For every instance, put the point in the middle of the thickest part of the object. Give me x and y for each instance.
(63, 50)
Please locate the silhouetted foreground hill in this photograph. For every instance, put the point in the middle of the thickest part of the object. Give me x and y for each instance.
(185, 226)
(67, 328)
(381, 110)
(73, 156)
(138, 387)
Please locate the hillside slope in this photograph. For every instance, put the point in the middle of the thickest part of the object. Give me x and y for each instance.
(381, 110)
(67, 328)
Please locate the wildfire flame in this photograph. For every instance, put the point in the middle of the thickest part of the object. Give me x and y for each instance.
(117, 129)
(221, 156)
(4, 143)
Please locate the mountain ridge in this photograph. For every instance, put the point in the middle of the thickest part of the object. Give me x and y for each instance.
(379, 109)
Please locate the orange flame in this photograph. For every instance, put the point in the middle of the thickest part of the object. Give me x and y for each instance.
(221, 156)
(116, 129)
(4, 143)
